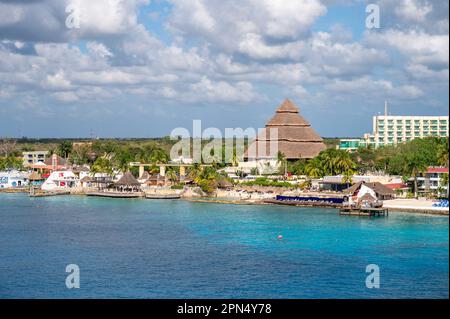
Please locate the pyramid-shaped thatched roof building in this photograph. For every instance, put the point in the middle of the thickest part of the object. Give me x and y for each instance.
(127, 180)
(295, 137)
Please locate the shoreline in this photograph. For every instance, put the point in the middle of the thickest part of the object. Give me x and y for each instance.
(393, 207)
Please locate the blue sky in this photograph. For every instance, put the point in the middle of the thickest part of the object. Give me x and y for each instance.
(141, 68)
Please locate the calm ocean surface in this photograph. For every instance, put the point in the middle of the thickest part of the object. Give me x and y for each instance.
(178, 249)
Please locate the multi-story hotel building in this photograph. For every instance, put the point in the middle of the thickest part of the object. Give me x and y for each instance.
(30, 158)
(392, 130)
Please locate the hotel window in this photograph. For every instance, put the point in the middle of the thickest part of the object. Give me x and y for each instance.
(434, 128)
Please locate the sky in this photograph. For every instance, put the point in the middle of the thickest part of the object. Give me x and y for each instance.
(141, 68)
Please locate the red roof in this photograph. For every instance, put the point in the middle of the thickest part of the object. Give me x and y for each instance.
(437, 170)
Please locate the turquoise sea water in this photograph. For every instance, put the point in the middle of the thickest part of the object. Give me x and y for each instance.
(179, 249)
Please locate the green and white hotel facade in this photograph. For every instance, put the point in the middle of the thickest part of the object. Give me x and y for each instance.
(392, 130)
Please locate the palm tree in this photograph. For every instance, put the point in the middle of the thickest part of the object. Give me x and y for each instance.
(159, 156)
(64, 149)
(172, 175)
(102, 165)
(314, 169)
(442, 154)
(415, 164)
(343, 163)
(282, 162)
(444, 182)
(234, 159)
(347, 177)
(194, 171)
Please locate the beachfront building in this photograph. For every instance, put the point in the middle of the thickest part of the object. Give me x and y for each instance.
(127, 183)
(13, 179)
(30, 158)
(389, 130)
(432, 181)
(392, 130)
(286, 132)
(369, 192)
(60, 180)
(337, 184)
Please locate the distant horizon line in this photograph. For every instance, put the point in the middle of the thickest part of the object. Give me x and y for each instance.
(88, 139)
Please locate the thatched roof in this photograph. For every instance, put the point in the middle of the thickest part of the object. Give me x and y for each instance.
(86, 179)
(35, 177)
(127, 180)
(377, 187)
(295, 136)
(79, 169)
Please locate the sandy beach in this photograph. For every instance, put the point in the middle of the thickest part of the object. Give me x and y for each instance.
(415, 205)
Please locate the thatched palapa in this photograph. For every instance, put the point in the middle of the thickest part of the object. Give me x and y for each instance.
(127, 180)
(292, 134)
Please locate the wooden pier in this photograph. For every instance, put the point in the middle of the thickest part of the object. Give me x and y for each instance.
(162, 196)
(116, 194)
(363, 211)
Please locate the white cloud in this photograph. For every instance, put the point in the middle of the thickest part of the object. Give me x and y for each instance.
(99, 49)
(57, 81)
(220, 91)
(65, 96)
(369, 87)
(419, 47)
(234, 25)
(413, 11)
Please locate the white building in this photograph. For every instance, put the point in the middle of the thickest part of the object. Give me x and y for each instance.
(13, 179)
(392, 130)
(395, 129)
(61, 180)
(431, 181)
